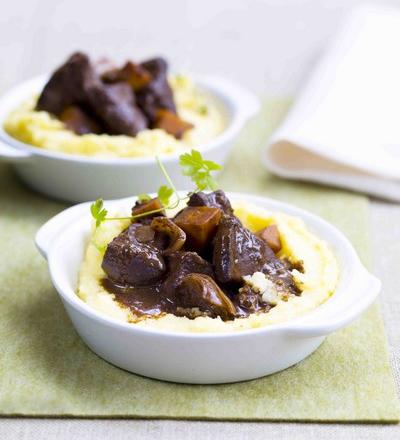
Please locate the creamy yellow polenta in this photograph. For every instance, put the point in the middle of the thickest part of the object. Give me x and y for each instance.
(40, 129)
(318, 281)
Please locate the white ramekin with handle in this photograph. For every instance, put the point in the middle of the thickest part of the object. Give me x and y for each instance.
(80, 178)
(204, 357)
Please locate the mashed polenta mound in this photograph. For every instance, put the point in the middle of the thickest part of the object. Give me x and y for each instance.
(41, 129)
(318, 280)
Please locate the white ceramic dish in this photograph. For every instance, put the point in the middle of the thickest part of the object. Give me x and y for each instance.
(207, 357)
(79, 178)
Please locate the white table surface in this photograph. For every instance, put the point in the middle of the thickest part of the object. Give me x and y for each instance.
(267, 45)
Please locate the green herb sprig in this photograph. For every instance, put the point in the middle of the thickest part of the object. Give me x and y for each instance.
(193, 165)
(199, 170)
(98, 212)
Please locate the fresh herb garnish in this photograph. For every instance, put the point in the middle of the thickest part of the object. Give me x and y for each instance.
(193, 165)
(199, 170)
(164, 194)
(98, 212)
(143, 197)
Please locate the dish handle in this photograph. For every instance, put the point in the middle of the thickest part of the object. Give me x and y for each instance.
(11, 154)
(53, 227)
(367, 287)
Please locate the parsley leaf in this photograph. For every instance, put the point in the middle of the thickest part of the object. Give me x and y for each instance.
(98, 212)
(164, 194)
(143, 197)
(199, 170)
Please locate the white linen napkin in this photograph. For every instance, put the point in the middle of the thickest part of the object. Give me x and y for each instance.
(344, 128)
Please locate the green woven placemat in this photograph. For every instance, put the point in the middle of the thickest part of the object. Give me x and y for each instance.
(46, 370)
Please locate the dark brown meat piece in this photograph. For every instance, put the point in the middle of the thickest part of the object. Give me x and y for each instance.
(183, 263)
(147, 206)
(78, 121)
(171, 123)
(114, 105)
(176, 236)
(77, 83)
(157, 94)
(67, 85)
(135, 74)
(279, 272)
(134, 257)
(271, 236)
(200, 225)
(199, 291)
(216, 199)
(237, 251)
(249, 301)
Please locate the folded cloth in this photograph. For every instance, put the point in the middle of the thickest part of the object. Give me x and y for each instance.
(344, 128)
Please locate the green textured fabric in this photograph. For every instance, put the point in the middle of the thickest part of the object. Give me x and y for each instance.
(46, 370)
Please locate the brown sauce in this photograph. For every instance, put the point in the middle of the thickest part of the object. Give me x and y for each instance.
(151, 301)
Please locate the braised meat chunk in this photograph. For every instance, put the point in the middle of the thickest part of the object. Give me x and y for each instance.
(147, 209)
(216, 199)
(79, 121)
(176, 236)
(201, 292)
(200, 225)
(155, 98)
(279, 271)
(133, 257)
(237, 251)
(248, 301)
(67, 85)
(135, 74)
(115, 105)
(270, 235)
(157, 94)
(171, 123)
(183, 263)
